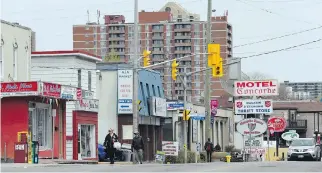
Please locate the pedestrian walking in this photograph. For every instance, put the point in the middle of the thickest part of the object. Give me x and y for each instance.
(209, 147)
(137, 148)
(110, 139)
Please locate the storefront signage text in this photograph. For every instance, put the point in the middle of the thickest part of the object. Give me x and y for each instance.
(253, 107)
(256, 88)
(68, 92)
(51, 90)
(170, 148)
(88, 105)
(19, 88)
(251, 127)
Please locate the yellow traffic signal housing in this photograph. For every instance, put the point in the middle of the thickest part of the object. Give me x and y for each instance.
(213, 54)
(186, 114)
(139, 107)
(174, 70)
(146, 58)
(217, 70)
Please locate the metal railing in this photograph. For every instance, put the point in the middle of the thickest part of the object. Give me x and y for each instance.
(297, 124)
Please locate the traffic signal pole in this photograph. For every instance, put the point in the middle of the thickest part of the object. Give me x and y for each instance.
(135, 69)
(207, 80)
(184, 123)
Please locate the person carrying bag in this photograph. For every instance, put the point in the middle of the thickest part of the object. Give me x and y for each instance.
(111, 143)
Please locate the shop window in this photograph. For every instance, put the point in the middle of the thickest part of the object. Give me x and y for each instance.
(87, 141)
(42, 126)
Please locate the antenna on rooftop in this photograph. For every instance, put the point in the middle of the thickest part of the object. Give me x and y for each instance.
(88, 21)
(98, 16)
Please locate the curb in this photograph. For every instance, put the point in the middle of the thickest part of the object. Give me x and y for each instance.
(78, 163)
(117, 163)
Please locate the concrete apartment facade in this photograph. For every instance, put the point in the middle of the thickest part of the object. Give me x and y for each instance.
(168, 36)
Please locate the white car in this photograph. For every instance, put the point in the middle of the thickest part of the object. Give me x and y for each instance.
(304, 149)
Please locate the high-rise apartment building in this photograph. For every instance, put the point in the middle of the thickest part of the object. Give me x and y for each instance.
(313, 88)
(167, 37)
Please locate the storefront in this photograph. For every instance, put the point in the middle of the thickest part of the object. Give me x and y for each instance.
(85, 130)
(33, 111)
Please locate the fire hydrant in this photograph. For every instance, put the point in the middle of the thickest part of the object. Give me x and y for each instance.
(228, 158)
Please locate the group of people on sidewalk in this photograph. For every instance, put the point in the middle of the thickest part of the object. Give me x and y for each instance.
(137, 147)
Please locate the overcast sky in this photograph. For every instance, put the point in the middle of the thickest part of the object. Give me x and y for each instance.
(252, 20)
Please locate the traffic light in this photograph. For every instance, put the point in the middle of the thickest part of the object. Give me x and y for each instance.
(139, 106)
(146, 58)
(214, 60)
(217, 71)
(174, 71)
(186, 114)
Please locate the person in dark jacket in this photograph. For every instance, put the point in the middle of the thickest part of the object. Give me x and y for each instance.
(209, 147)
(110, 139)
(137, 148)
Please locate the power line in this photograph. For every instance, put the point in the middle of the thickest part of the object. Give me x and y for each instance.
(312, 48)
(283, 49)
(274, 38)
(260, 54)
(271, 12)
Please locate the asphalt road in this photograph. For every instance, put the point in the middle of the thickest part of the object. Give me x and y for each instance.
(201, 167)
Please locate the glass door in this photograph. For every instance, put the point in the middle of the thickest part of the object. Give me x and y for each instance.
(86, 141)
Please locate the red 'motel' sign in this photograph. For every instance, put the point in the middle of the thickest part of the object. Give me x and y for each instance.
(19, 87)
(51, 90)
(256, 88)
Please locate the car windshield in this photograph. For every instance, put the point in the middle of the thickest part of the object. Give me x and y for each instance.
(302, 143)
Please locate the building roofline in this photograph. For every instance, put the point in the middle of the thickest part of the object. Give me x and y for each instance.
(160, 23)
(15, 25)
(66, 53)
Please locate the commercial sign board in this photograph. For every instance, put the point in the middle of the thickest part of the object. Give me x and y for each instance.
(158, 106)
(256, 88)
(170, 148)
(276, 124)
(255, 141)
(19, 88)
(51, 90)
(251, 127)
(79, 94)
(87, 105)
(68, 92)
(171, 106)
(290, 135)
(214, 107)
(125, 91)
(87, 94)
(253, 107)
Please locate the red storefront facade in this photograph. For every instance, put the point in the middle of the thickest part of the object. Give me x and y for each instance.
(85, 130)
(35, 109)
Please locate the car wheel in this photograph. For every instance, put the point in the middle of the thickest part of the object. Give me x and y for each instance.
(289, 159)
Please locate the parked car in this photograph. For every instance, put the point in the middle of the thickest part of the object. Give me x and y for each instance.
(304, 149)
(103, 157)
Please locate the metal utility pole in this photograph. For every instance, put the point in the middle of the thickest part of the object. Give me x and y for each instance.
(207, 81)
(135, 68)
